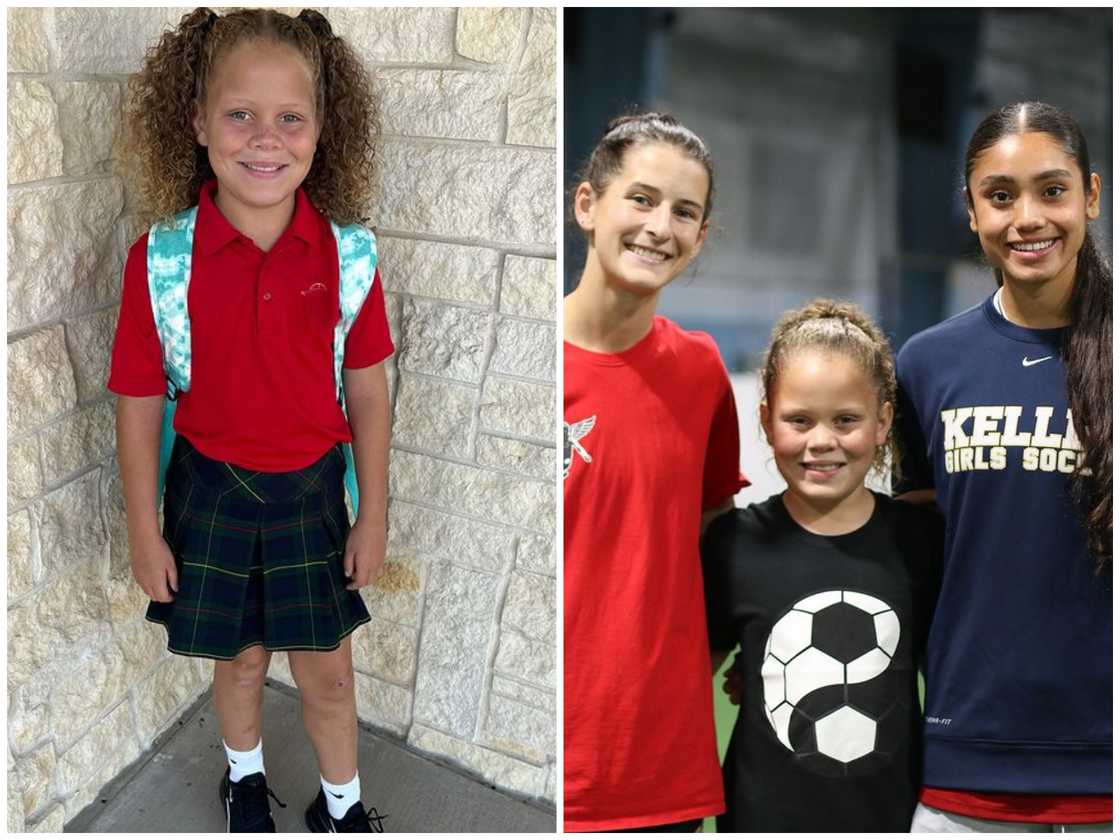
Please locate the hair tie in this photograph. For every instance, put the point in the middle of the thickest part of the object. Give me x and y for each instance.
(207, 22)
(319, 25)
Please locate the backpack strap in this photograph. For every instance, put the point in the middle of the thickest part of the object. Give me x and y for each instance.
(169, 274)
(169, 271)
(357, 261)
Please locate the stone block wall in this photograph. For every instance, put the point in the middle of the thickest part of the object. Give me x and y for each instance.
(459, 660)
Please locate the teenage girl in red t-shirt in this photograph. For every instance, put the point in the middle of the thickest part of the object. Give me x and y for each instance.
(256, 552)
(650, 448)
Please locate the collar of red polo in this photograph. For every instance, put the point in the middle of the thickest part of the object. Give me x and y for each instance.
(213, 231)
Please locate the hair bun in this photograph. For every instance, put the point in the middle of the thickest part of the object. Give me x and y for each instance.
(319, 25)
(202, 19)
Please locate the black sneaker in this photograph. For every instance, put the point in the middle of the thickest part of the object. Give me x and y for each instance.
(246, 804)
(357, 820)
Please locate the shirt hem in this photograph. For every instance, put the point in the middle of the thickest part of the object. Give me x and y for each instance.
(951, 802)
(994, 767)
(137, 391)
(375, 359)
(711, 809)
(246, 465)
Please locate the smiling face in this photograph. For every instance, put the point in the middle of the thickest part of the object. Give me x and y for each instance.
(1029, 207)
(648, 223)
(259, 127)
(824, 421)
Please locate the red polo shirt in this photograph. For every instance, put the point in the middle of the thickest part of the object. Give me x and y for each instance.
(262, 390)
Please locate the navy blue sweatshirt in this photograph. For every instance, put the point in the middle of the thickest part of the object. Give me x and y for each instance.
(1019, 663)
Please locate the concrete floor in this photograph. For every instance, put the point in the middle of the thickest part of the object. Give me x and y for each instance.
(175, 787)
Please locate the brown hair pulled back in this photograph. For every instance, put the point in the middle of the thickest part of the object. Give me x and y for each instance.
(1087, 342)
(630, 130)
(166, 166)
(843, 328)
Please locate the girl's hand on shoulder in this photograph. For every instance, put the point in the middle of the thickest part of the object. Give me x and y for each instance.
(365, 553)
(153, 566)
(733, 681)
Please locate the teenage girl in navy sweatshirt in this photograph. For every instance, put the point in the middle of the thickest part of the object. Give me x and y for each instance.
(1006, 415)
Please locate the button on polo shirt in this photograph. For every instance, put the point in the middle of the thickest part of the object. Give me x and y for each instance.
(262, 341)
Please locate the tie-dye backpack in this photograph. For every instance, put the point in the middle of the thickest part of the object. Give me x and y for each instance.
(170, 247)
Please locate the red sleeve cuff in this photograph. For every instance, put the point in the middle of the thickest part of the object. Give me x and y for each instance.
(124, 388)
(356, 361)
(722, 492)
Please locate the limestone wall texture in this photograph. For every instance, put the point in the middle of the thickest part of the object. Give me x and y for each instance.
(459, 660)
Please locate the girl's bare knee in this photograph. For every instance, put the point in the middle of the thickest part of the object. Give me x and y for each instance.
(334, 686)
(337, 687)
(248, 668)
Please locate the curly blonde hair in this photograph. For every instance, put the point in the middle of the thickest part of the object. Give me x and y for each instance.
(842, 328)
(159, 155)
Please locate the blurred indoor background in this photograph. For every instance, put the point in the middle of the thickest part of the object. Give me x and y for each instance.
(838, 137)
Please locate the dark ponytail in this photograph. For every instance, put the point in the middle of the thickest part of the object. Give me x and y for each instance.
(1088, 354)
(1087, 344)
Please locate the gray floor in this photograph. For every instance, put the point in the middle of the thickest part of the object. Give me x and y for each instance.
(175, 788)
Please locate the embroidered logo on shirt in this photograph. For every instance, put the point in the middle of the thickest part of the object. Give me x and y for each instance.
(573, 433)
(1030, 362)
(314, 288)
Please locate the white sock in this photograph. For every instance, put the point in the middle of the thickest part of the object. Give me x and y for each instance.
(341, 797)
(242, 764)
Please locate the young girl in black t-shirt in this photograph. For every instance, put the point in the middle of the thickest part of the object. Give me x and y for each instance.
(828, 588)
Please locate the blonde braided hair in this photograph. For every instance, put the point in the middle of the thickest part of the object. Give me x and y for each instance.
(845, 329)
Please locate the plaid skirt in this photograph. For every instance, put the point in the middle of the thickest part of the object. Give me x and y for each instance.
(259, 557)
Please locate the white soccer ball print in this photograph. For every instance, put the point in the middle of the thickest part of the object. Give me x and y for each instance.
(831, 640)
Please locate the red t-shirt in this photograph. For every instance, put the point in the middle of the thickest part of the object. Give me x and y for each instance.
(653, 440)
(262, 392)
(1062, 809)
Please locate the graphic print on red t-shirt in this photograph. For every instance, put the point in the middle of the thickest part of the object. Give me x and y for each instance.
(573, 434)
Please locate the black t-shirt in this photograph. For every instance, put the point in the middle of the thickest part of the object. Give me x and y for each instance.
(832, 631)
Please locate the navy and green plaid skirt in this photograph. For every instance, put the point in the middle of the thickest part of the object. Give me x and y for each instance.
(259, 557)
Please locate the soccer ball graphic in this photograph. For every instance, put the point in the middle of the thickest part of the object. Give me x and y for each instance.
(825, 684)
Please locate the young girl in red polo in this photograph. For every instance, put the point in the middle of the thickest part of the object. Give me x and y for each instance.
(650, 446)
(263, 123)
(1007, 420)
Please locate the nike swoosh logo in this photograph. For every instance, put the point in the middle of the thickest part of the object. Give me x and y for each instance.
(337, 795)
(1030, 362)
